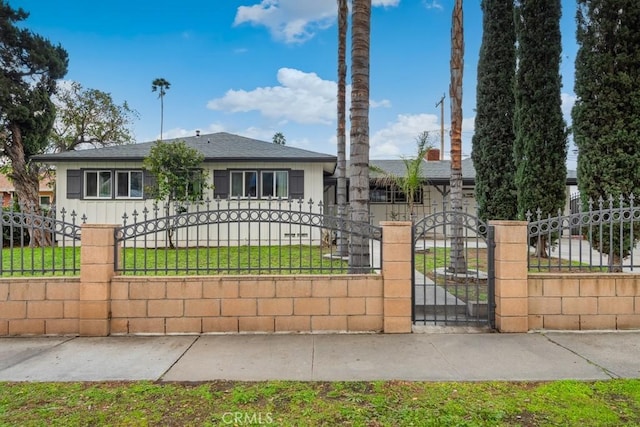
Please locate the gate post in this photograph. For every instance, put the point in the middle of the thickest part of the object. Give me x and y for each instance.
(397, 269)
(511, 276)
(96, 270)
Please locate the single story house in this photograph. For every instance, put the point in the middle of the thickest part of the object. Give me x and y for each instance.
(389, 203)
(8, 190)
(106, 183)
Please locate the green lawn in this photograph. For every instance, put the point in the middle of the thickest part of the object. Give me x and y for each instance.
(48, 261)
(294, 259)
(394, 403)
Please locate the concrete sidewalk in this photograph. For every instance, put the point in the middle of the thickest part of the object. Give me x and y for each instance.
(419, 357)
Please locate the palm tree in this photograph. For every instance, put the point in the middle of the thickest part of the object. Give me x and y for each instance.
(162, 85)
(411, 183)
(359, 144)
(343, 11)
(458, 263)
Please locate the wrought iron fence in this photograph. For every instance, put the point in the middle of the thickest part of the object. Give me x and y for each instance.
(243, 236)
(37, 241)
(601, 238)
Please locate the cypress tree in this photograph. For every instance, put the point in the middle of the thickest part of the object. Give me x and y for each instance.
(540, 148)
(606, 116)
(492, 151)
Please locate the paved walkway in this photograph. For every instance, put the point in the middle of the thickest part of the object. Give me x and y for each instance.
(432, 356)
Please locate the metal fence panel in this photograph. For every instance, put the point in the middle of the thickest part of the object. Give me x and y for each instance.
(240, 236)
(601, 238)
(35, 241)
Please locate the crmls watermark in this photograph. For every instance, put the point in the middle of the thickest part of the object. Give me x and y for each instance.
(247, 418)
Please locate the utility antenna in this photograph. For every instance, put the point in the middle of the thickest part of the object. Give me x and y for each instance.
(441, 104)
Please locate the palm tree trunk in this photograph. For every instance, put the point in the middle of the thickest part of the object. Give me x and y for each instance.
(161, 113)
(342, 242)
(457, 262)
(359, 145)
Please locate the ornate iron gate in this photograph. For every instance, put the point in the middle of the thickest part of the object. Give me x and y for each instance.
(453, 270)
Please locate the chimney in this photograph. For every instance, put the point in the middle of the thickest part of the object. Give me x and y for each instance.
(432, 155)
(198, 133)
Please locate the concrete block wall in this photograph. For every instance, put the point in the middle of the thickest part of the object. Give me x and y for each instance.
(592, 301)
(176, 305)
(98, 303)
(39, 306)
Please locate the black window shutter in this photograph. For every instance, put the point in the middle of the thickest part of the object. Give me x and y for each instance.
(296, 184)
(220, 184)
(150, 184)
(74, 184)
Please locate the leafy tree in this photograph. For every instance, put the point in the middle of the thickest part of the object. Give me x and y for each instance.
(493, 138)
(411, 183)
(278, 138)
(458, 263)
(161, 85)
(359, 152)
(540, 147)
(89, 116)
(176, 168)
(606, 115)
(341, 138)
(29, 68)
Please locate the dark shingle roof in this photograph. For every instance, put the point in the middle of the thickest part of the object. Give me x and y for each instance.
(437, 172)
(216, 147)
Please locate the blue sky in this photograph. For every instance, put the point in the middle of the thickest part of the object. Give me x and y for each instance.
(256, 67)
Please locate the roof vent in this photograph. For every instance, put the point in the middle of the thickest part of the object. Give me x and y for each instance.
(198, 133)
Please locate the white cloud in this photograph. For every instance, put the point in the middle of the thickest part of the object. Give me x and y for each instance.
(432, 4)
(301, 97)
(398, 138)
(294, 21)
(291, 21)
(385, 3)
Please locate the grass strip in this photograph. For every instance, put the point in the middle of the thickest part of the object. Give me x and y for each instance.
(286, 403)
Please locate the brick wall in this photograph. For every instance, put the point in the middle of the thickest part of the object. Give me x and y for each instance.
(584, 301)
(246, 304)
(39, 306)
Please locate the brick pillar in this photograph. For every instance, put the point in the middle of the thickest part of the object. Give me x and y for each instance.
(96, 271)
(397, 250)
(512, 295)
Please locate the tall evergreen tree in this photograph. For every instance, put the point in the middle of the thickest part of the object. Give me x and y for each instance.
(29, 68)
(492, 151)
(540, 148)
(606, 116)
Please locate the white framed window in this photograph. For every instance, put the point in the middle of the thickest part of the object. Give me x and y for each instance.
(129, 184)
(98, 184)
(45, 201)
(274, 184)
(244, 184)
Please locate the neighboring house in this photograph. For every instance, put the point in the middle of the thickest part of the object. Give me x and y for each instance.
(105, 183)
(8, 190)
(389, 203)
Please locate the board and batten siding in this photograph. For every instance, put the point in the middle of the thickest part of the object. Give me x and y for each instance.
(100, 211)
